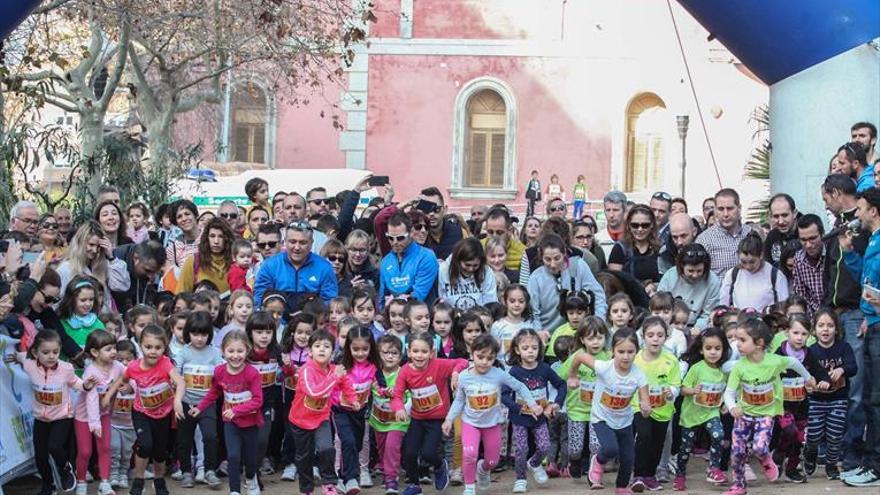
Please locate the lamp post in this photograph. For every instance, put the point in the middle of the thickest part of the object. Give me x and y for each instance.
(683, 121)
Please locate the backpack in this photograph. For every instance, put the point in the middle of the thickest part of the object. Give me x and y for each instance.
(774, 272)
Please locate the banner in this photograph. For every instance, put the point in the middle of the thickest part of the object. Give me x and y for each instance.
(16, 418)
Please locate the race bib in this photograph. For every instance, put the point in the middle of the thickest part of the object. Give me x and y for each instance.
(155, 396)
(197, 376)
(362, 390)
(482, 402)
(757, 395)
(615, 399)
(587, 390)
(234, 398)
(794, 389)
(656, 396)
(505, 345)
(290, 382)
(48, 394)
(382, 411)
(539, 395)
(123, 402)
(268, 373)
(710, 395)
(315, 403)
(426, 398)
(837, 384)
(101, 390)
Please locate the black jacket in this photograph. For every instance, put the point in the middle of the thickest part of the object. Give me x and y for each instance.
(142, 289)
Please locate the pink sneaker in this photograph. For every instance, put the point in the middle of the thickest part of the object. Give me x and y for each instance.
(328, 490)
(716, 476)
(597, 469)
(735, 490)
(623, 491)
(771, 470)
(679, 484)
(638, 484)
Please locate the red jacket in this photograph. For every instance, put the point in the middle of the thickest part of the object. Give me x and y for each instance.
(243, 393)
(429, 387)
(237, 278)
(314, 386)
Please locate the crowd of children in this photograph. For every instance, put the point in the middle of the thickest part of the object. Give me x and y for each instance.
(334, 396)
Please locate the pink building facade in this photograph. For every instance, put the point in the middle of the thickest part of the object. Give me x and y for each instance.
(472, 95)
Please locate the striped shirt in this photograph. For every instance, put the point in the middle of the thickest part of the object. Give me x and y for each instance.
(722, 246)
(807, 279)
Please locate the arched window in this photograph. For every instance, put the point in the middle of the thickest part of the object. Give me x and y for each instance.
(249, 124)
(647, 123)
(484, 156)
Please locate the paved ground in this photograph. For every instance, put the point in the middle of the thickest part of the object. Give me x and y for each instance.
(503, 483)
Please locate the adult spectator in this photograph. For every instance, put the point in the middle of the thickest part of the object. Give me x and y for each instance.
(109, 216)
(278, 205)
(409, 269)
(637, 251)
(478, 214)
(556, 207)
(532, 260)
(268, 243)
(229, 213)
(682, 232)
(465, 279)
(24, 217)
(531, 230)
(184, 215)
(693, 282)
(212, 259)
(293, 208)
(590, 243)
(363, 272)
(584, 238)
(91, 253)
(867, 269)
(753, 283)
(558, 276)
(853, 162)
(865, 133)
(35, 300)
(65, 222)
(50, 239)
(319, 203)
(108, 193)
(256, 218)
(708, 207)
(444, 231)
(9, 323)
(498, 226)
(349, 203)
(783, 220)
(614, 206)
(204, 218)
(722, 239)
(679, 205)
(661, 205)
(806, 277)
(421, 227)
(298, 273)
(334, 252)
(143, 262)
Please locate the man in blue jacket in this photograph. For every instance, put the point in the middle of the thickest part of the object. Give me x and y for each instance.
(300, 274)
(867, 269)
(408, 269)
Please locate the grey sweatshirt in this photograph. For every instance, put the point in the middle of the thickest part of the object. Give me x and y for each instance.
(544, 292)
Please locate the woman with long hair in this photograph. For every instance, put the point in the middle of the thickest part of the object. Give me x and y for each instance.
(50, 238)
(636, 253)
(465, 279)
(109, 217)
(334, 251)
(184, 215)
(91, 253)
(212, 259)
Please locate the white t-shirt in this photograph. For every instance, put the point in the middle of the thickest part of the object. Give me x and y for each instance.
(613, 394)
(754, 290)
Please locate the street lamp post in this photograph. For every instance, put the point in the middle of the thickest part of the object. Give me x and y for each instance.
(683, 121)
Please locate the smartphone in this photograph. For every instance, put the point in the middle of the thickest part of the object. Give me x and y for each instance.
(29, 257)
(378, 180)
(427, 206)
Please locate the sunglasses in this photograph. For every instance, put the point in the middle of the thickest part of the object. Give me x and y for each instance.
(640, 225)
(229, 216)
(339, 258)
(557, 209)
(269, 245)
(320, 201)
(49, 299)
(300, 225)
(50, 226)
(662, 196)
(396, 238)
(420, 226)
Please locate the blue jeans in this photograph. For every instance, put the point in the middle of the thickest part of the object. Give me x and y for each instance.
(578, 209)
(241, 447)
(851, 321)
(871, 396)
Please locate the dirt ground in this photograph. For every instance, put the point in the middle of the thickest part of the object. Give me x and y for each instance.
(503, 482)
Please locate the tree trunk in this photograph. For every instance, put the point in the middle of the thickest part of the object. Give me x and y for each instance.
(92, 138)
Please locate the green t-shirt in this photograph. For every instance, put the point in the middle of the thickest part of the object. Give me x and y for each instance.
(381, 416)
(697, 409)
(662, 373)
(758, 385)
(563, 330)
(580, 191)
(579, 401)
(781, 337)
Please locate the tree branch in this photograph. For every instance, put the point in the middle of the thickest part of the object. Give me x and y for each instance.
(54, 4)
(145, 91)
(64, 106)
(119, 68)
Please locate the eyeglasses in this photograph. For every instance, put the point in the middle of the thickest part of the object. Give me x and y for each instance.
(556, 209)
(265, 245)
(665, 196)
(300, 225)
(320, 201)
(49, 299)
(50, 226)
(396, 238)
(29, 221)
(229, 216)
(420, 226)
(640, 225)
(339, 258)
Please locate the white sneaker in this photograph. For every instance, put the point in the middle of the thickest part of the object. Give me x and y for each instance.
(366, 480)
(352, 487)
(289, 473)
(539, 473)
(469, 490)
(750, 474)
(455, 478)
(82, 488)
(89, 478)
(177, 475)
(104, 488)
(484, 479)
(148, 474)
(267, 468)
(114, 481)
(253, 486)
(123, 481)
(520, 486)
(200, 475)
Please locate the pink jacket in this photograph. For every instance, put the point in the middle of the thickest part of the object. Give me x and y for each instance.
(88, 407)
(361, 376)
(51, 388)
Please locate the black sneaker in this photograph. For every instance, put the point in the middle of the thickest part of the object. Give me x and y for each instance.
(68, 478)
(160, 487)
(137, 487)
(831, 472)
(574, 469)
(793, 475)
(779, 458)
(810, 461)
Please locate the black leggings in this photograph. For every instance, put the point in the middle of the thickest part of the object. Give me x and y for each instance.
(314, 446)
(52, 438)
(650, 436)
(241, 446)
(422, 441)
(152, 436)
(186, 431)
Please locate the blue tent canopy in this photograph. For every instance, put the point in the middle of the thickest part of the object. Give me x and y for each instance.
(12, 12)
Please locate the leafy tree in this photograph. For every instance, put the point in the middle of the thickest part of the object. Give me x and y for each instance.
(758, 167)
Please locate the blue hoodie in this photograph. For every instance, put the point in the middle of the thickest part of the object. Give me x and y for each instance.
(314, 276)
(867, 270)
(415, 274)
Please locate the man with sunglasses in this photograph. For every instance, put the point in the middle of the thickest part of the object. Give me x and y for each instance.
(443, 233)
(24, 218)
(228, 211)
(319, 203)
(853, 161)
(407, 270)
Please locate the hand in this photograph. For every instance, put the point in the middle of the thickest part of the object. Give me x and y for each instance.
(845, 241)
(340, 371)
(645, 408)
(97, 432)
(13, 257)
(194, 411)
(863, 328)
(228, 414)
(573, 382)
(544, 335)
(91, 382)
(389, 194)
(106, 247)
(536, 410)
(871, 298)
(811, 383)
(178, 409)
(823, 385)
(285, 358)
(550, 410)
(736, 412)
(669, 395)
(835, 374)
(105, 402)
(453, 381)
(38, 268)
(364, 184)
(446, 427)
(357, 282)
(400, 416)
(698, 388)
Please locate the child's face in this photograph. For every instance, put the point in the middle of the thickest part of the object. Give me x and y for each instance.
(321, 351)
(47, 354)
(594, 343)
(235, 353)
(337, 313)
(419, 354)
(395, 318)
(620, 314)
(85, 302)
(483, 360)
(301, 334)
(390, 356)
(680, 319)
(180, 305)
(797, 336)
(244, 257)
(153, 348)
(496, 258)
(242, 309)
(516, 303)
(112, 327)
(655, 336)
(124, 357)
(470, 333)
(138, 325)
(744, 342)
(262, 194)
(177, 329)
(105, 354)
(360, 350)
(528, 349)
(198, 340)
(419, 319)
(826, 331)
(262, 337)
(342, 335)
(442, 323)
(276, 308)
(713, 349)
(136, 218)
(321, 320)
(575, 317)
(666, 314)
(624, 353)
(364, 311)
(214, 308)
